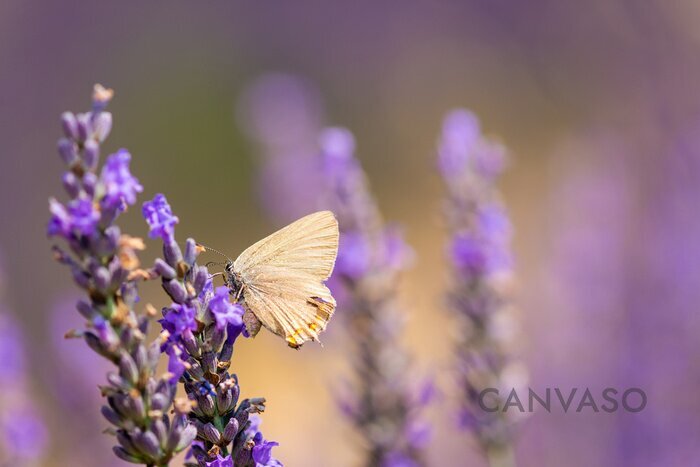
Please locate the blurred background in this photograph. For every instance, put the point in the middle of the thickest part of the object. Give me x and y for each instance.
(598, 102)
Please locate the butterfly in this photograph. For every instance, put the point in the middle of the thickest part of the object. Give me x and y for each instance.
(281, 279)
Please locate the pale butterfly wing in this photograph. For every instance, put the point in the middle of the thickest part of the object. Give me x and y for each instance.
(284, 275)
(296, 310)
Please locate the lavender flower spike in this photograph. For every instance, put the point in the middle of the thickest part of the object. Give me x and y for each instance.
(479, 251)
(370, 257)
(202, 326)
(104, 263)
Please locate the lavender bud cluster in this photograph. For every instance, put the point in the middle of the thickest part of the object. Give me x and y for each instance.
(202, 325)
(370, 257)
(479, 252)
(104, 263)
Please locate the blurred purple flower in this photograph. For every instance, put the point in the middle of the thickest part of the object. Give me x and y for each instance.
(370, 257)
(468, 253)
(490, 160)
(356, 256)
(419, 434)
(12, 356)
(493, 222)
(462, 148)
(624, 274)
(23, 433)
(78, 373)
(479, 250)
(353, 255)
(281, 111)
(398, 459)
(460, 132)
(426, 393)
(283, 115)
(479, 255)
(76, 376)
(338, 145)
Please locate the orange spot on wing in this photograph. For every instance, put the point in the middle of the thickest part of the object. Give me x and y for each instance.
(295, 341)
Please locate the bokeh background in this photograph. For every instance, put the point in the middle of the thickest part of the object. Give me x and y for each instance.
(598, 102)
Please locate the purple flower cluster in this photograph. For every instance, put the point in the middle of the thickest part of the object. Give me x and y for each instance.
(480, 255)
(370, 257)
(104, 263)
(202, 325)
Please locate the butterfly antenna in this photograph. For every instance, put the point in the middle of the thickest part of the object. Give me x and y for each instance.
(215, 251)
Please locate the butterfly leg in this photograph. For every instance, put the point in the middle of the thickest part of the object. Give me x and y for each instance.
(240, 292)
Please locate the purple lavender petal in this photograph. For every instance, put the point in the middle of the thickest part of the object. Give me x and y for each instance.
(175, 364)
(225, 313)
(179, 318)
(79, 216)
(262, 453)
(160, 218)
(221, 462)
(119, 184)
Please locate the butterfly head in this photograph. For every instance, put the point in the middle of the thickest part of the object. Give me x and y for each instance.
(233, 280)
